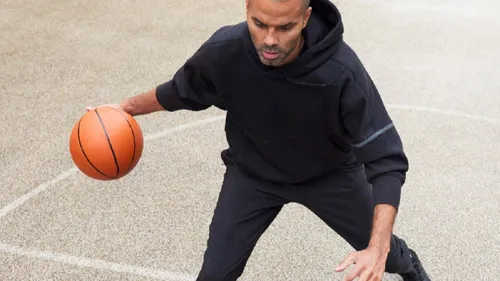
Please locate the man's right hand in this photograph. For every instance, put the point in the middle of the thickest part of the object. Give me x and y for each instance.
(144, 103)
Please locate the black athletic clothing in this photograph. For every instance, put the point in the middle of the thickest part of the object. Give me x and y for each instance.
(314, 132)
(295, 123)
(248, 205)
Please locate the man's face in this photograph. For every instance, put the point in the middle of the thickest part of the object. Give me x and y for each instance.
(275, 27)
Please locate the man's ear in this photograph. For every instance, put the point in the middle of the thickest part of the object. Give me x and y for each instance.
(308, 15)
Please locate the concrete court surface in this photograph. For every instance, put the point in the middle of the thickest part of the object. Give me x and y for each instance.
(435, 63)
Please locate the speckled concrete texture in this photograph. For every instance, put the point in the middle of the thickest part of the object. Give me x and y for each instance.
(435, 63)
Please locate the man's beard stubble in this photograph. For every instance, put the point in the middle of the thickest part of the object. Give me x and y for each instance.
(282, 54)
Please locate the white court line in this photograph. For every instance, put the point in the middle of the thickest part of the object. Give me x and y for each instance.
(44, 186)
(184, 127)
(34, 192)
(98, 264)
(444, 112)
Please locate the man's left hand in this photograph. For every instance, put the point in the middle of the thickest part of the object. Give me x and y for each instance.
(369, 265)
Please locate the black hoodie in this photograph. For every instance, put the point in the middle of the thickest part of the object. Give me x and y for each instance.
(297, 122)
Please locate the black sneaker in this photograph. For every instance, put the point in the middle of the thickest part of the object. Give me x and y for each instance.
(419, 274)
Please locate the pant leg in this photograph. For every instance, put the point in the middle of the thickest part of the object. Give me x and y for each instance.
(243, 212)
(344, 201)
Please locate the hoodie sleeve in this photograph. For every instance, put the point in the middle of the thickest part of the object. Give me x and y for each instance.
(192, 86)
(375, 140)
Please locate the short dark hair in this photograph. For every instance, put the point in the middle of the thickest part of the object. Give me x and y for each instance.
(305, 4)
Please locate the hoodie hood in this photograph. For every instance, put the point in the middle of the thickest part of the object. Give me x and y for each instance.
(322, 36)
(322, 33)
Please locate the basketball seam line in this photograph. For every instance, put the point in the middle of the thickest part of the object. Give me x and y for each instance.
(85, 155)
(133, 137)
(109, 142)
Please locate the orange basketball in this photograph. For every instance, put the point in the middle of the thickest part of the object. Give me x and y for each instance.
(106, 143)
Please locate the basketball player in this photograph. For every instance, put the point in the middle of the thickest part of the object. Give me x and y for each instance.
(306, 124)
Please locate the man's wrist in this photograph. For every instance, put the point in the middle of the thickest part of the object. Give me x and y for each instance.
(383, 221)
(381, 243)
(384, 248)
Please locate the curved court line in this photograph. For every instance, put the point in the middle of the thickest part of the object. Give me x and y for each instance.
(44, 186)
(97, 264)
(172, 276)
(444, 112)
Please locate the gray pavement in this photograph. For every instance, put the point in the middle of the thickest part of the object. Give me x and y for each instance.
(435, 62)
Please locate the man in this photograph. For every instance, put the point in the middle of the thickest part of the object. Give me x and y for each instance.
(305, 124)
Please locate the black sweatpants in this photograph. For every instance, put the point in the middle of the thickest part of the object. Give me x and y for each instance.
(247, 206)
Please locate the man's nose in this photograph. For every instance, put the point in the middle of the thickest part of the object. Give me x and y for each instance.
(270, 39)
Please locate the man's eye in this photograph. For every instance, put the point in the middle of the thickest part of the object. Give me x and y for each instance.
(285, 27)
